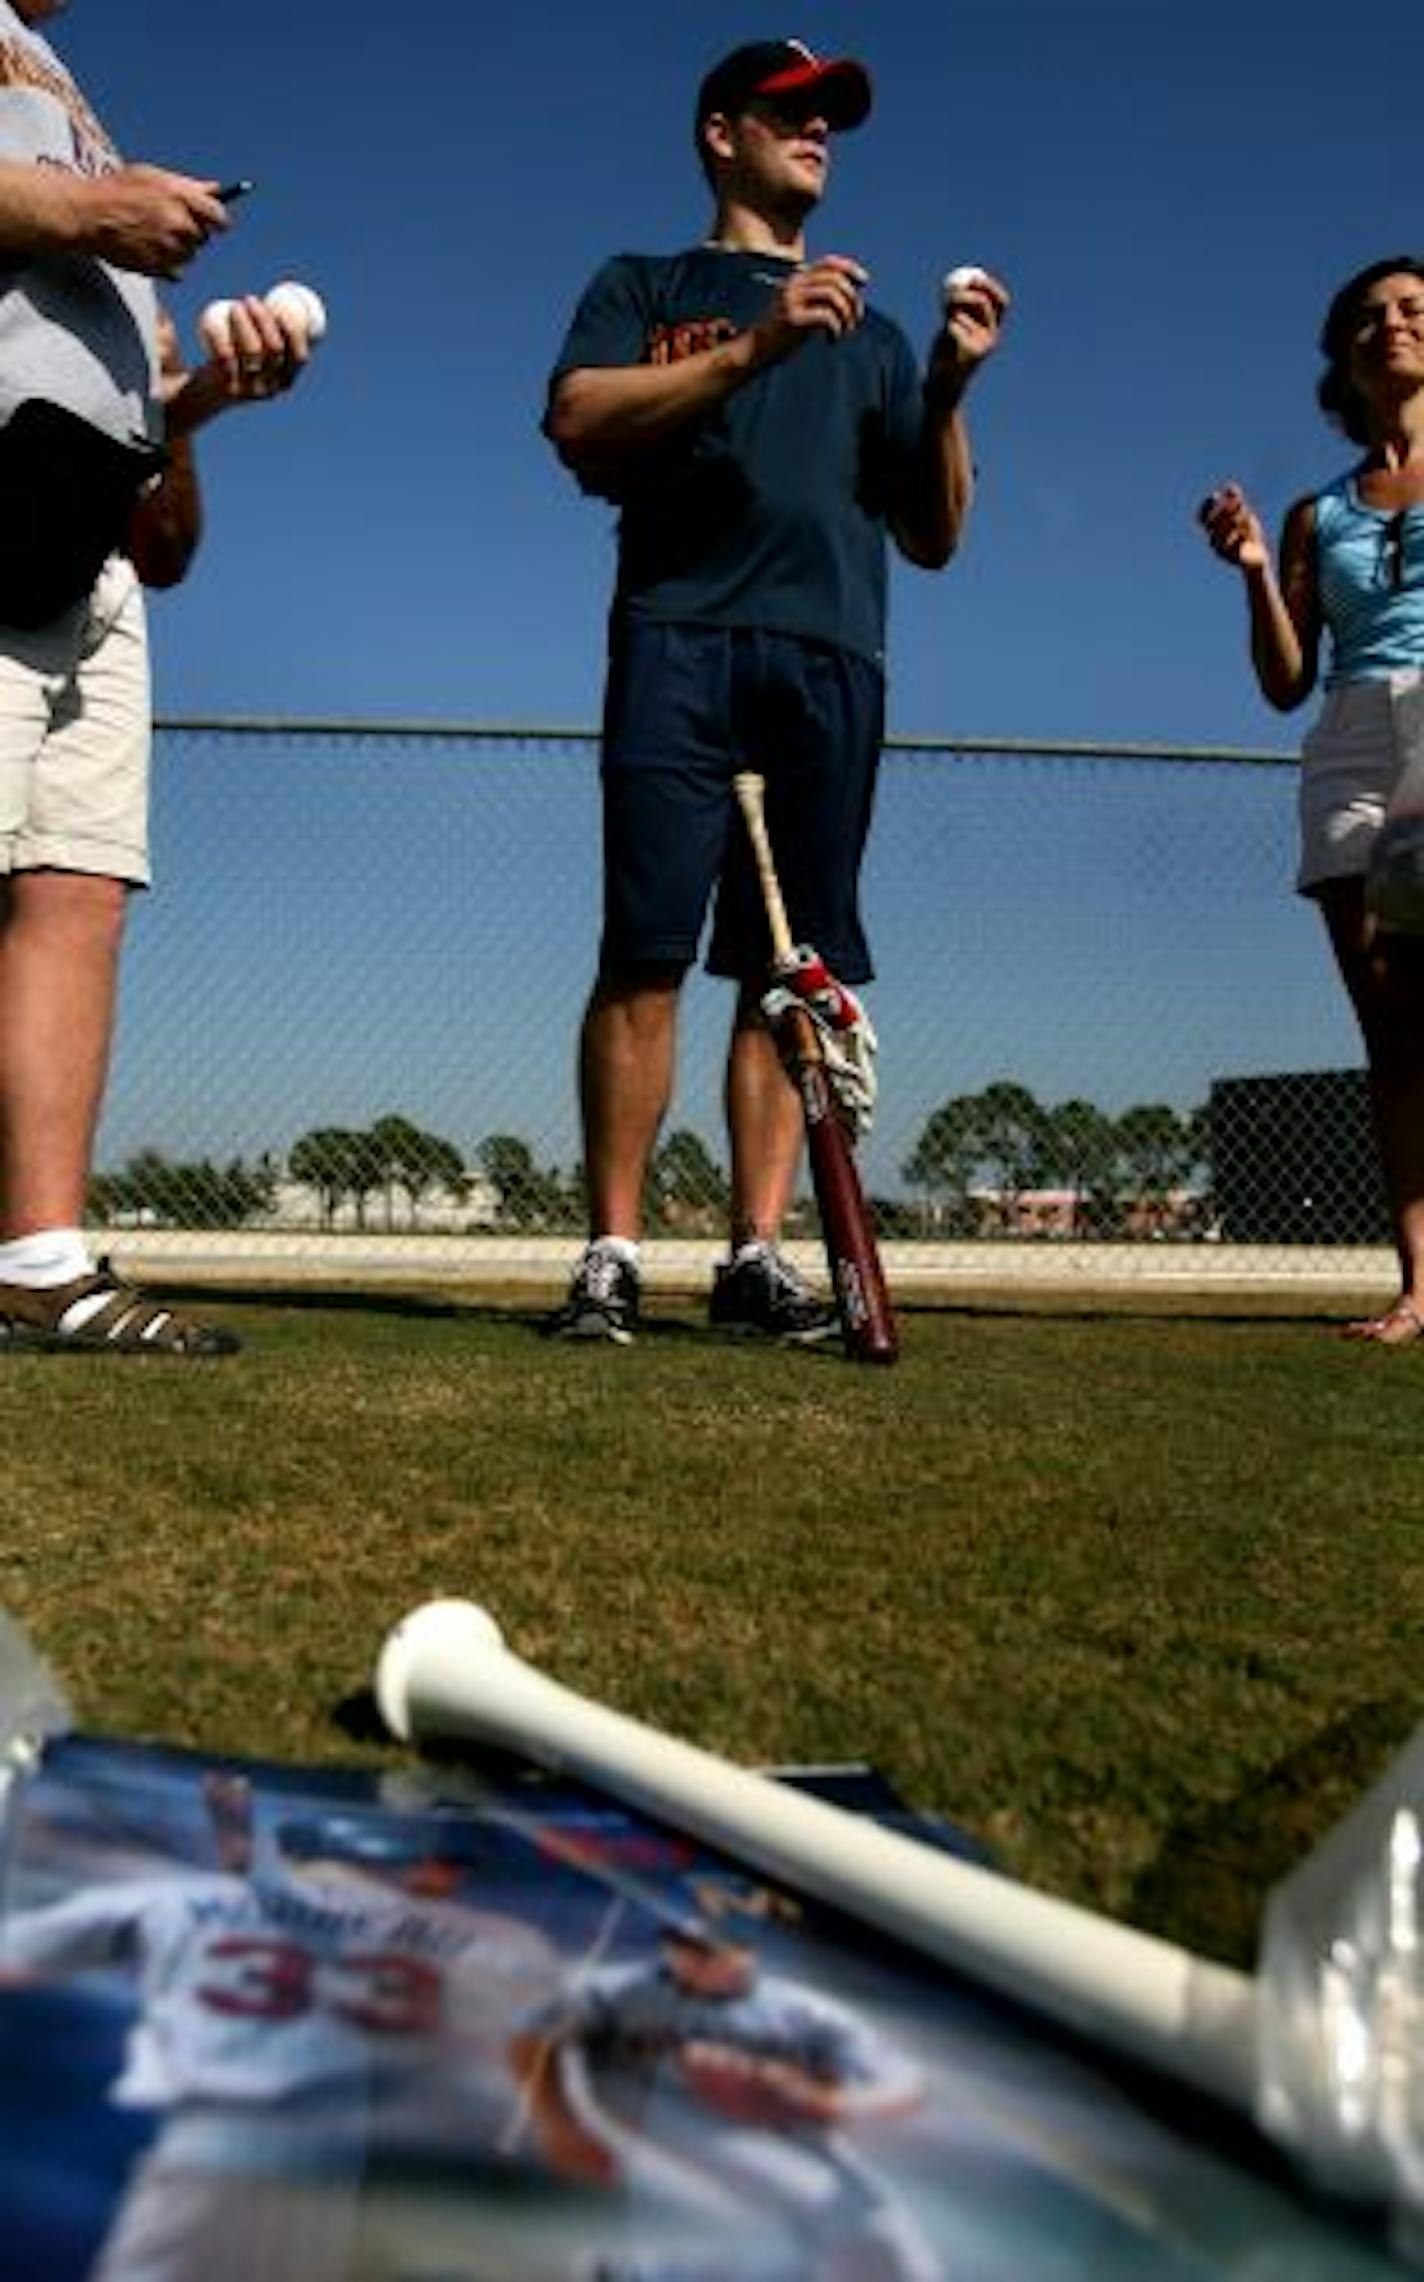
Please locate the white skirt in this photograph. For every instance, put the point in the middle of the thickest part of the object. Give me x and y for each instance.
(1370, 734)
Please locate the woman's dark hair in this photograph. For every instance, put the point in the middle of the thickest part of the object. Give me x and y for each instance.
(1337, 399)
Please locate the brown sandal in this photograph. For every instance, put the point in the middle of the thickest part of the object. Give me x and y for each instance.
(125, 1322)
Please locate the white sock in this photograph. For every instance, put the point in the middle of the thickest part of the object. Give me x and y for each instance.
(622, 1248)
(755, 1248)
(47, 1256)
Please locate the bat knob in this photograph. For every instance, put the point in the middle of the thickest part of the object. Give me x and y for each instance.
(454, 1630)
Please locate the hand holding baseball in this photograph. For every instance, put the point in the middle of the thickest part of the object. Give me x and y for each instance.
(973, 305)
(1233, 528)
(968, 278)
(262, 341)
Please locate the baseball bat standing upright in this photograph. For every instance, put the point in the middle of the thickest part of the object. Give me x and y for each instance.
(862, 1302)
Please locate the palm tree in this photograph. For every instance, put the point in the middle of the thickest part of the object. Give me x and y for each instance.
(1078, 1147)
(943, 1160)
(1011, 1128)
(528, 1197)
(1158, 1148)
(403, 1156)
(333, 1161)
(684, 1178)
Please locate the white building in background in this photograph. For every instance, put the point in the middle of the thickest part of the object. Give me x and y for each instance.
(298, 1204)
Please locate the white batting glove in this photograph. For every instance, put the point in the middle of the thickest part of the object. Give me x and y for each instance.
(847, 1039)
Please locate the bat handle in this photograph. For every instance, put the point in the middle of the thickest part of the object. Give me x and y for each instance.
(750, 790)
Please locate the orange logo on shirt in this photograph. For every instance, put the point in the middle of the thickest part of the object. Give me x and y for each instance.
(20, 66)
(670, 344)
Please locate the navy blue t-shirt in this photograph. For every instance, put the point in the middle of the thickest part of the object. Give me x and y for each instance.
(771, 511)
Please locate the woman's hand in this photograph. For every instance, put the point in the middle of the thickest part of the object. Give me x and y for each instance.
(1234, 529)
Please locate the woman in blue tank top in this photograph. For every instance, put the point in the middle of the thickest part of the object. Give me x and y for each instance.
(1352, 569)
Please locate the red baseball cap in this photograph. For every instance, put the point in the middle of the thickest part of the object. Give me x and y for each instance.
(840, 86)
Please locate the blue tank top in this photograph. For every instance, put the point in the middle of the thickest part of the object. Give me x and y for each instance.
(1370, 573)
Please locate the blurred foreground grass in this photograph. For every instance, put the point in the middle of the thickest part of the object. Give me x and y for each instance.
(1136, 1596)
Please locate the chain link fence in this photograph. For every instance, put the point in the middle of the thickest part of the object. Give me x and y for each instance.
(351, 1004)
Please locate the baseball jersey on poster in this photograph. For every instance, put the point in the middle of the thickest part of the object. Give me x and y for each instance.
(278, 2019)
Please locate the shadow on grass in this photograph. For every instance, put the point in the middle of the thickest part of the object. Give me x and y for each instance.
(1208, 1883)
(317, 1299)
(530, 1312)
(1184, 1307)
(530, 1315)
(358, 1717)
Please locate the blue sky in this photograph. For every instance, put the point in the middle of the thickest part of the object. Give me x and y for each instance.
(1170, 192)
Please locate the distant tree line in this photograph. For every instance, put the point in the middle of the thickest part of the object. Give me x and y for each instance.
(686, 1189)
(981, 1154)
(393, 1157)
(977, 1158)
(372, 1172)
(152, 1189)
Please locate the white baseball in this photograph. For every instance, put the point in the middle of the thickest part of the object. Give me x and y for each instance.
(212, 327)
(959, 280)
(299, 302)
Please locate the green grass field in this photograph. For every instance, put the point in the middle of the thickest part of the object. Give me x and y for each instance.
(1136, 1595)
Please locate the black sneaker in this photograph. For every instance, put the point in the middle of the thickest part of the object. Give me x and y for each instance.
(764, 1297)
(602, 1301)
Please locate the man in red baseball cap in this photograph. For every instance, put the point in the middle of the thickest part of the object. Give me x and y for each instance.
(763, 431)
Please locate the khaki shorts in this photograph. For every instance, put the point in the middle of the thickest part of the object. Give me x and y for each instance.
(75, 731)
(1368, 733)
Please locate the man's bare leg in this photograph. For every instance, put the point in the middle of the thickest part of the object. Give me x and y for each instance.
(626, 1058)
(60, 935)
(626, 1053)
(764, 1125)
(59, 951)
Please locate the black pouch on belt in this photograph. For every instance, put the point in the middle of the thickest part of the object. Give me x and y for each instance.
(67, 490)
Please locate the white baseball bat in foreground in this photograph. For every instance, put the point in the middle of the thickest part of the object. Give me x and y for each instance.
(445, 1670)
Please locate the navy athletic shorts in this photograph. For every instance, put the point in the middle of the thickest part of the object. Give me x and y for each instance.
(687, 707)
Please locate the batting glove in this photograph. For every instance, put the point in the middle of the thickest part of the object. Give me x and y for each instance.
(847, 1040)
